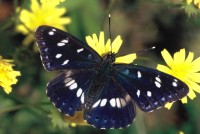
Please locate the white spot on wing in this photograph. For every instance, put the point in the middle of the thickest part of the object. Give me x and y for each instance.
(158, 79)
(174, 84)
(163, 98)
(51, 33)
(148, 93)
(139, 75)
(53, 29)
(118, 103)
(70, 82)
(73, 86)
(158, 85)
(65, 62)
(103, 102)
(138, 93)
(60, 44)
(65, 41)
(96, 104)
(58, 55)
(80, 50)
(79, 92)
(123, 102)
(113, 102)
(82, 98)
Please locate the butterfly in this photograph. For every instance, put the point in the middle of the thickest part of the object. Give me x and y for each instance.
(105, 91)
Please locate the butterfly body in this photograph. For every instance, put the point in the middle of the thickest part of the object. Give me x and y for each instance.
(105, 91)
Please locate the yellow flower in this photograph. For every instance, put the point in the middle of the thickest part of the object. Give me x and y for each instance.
(61, 121)
(40, 15)
(195, 2)
(102, 49)
(7, 75)
(183, 68)
(77, 119)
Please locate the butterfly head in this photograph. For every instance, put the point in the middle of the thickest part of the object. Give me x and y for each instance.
(110, 57)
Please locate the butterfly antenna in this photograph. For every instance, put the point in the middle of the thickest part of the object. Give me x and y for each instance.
(109, 20)
(146, 50)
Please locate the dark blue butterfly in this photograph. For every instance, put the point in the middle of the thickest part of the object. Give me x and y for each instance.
(105, 91)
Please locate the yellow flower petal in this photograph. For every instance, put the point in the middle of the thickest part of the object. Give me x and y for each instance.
(34, 5)
(189, 58)
(164, 69)
(101, 38)
(196, 65)
(191, 93)
(195, 77)
(108, 46)
(179, 57)
(169, 105)
(116, 44)
(189, 2)
(90, 41)
(126, 59)
(95, 38)
(184, 100)
(167, 57)
(101, 42)
(194, 86)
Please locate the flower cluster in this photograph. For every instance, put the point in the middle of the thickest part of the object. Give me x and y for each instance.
(41, 15)
(7, 75)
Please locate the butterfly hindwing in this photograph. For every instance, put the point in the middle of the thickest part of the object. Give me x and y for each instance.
(67, 90)
(149, 88)
(113, 107)
(60, 50)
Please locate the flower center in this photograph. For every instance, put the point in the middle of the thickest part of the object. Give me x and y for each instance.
(182, 70)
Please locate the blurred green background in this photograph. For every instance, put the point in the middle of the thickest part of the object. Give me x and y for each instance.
(141, 23)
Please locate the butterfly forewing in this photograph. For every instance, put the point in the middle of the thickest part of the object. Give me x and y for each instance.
(67, 90)
(113, 107)
(149, 88)
(60, 50)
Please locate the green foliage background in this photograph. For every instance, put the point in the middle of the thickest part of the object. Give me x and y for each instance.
(141, 23)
